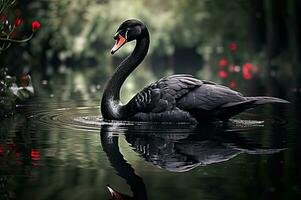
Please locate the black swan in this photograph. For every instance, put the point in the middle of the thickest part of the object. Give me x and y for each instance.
(175, 98)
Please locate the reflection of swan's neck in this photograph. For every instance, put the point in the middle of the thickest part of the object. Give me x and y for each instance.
(111, 107)
(123, 169)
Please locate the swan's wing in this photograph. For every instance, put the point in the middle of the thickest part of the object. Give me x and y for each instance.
(188, 94)
(163, 94)
(210, 96)
(177, 85)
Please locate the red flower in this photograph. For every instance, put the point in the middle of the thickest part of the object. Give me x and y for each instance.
(233, 46)
(222, 74)
(35, 26)
(247, 66)
(18, 22)
(223, 62)
(232, 84)
(35, 154)
(247, 75)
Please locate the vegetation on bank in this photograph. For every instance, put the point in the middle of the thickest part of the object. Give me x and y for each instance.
(12, 89)
(80, 32)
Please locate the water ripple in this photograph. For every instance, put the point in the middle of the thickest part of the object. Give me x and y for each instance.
(88, 118)
(69, 117)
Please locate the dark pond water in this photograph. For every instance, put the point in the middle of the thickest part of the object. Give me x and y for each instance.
(59, 148)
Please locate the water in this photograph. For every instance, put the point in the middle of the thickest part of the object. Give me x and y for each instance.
(56, 148)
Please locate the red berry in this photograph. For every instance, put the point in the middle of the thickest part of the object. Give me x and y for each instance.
(18, 22)
(35, 26)
(233, 46)
(247, 66)
(223, 62)
(35, 154)
(222, 74)
(247, 75)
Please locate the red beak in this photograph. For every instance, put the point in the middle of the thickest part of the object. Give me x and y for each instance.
(119, 42)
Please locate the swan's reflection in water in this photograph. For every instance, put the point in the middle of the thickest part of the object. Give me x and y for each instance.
(123, 169)
(176, 149)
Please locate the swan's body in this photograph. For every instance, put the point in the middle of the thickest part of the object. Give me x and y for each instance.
(176, 98)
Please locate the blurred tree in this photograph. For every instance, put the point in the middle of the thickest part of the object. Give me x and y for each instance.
(78, 33)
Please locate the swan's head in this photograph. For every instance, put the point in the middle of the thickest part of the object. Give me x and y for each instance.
(129, 30)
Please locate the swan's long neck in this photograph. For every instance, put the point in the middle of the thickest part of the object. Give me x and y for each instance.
(111, 107)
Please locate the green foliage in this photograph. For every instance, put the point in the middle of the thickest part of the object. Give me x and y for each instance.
(8, 30)
(78, 33)
(10, 91)
(78, 30)
(83, 29)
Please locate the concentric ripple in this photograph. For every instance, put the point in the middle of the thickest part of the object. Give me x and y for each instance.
(78, 118)
(88, 118)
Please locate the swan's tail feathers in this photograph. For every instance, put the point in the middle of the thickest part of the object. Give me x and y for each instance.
(229, 110)
(264, 100)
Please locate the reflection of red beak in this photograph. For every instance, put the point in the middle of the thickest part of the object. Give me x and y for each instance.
(116, 195)
(119, 42)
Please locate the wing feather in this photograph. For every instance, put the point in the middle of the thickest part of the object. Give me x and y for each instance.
(185, 92)
(208, 97)
(163, 94)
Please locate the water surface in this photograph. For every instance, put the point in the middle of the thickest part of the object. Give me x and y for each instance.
(61, 149)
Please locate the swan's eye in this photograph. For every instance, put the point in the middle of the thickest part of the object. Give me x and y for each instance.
(119, 41)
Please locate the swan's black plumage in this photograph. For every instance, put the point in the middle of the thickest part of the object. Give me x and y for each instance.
(176, 98)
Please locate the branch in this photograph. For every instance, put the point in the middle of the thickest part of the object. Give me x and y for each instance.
(6, 5)
(16, 40)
